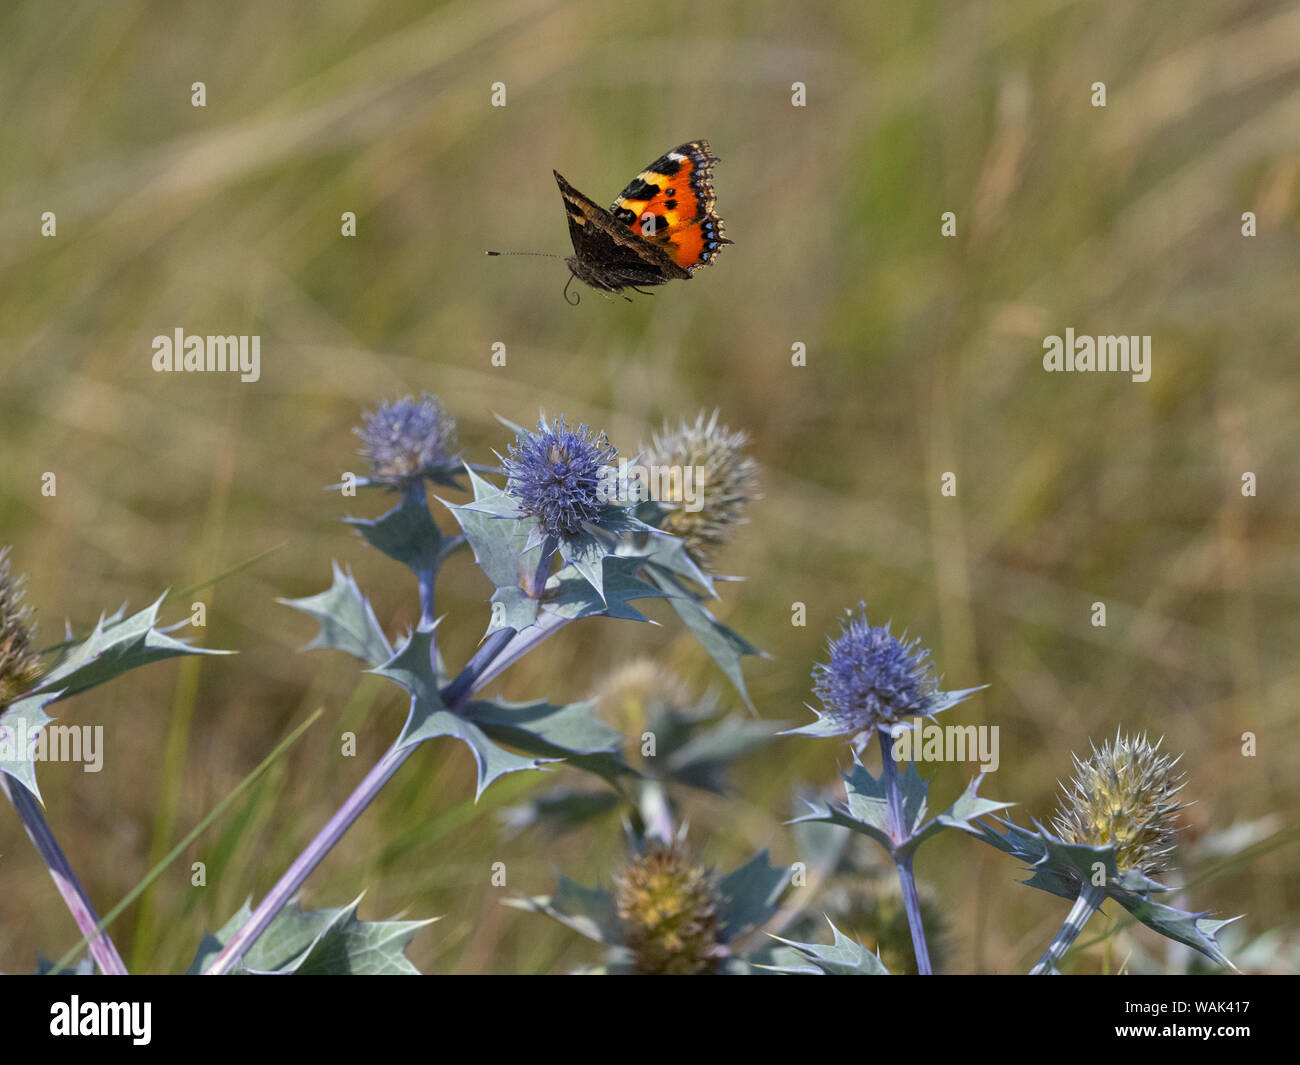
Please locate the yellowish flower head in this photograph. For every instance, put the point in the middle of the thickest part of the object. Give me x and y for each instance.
(669, 909)
(1123, 796)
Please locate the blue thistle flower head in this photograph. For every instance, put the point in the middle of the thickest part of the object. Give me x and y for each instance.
(873, 678)
(557, 475)
(408, 439)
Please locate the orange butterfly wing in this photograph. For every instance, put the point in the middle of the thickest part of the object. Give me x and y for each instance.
(671, 204)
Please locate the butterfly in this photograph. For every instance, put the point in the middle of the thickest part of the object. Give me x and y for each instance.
(662, 226)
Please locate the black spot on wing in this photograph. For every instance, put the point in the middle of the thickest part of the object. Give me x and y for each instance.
(640, 189)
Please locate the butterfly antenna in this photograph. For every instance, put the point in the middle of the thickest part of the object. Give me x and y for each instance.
(576, 297)
(543, 254)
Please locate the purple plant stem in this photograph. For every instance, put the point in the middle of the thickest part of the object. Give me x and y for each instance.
(38, 831)
(472, 678)
(906, 880)
(427, 576)
(542, 574)
(523, 641)
(655, 811)
(1090, 898)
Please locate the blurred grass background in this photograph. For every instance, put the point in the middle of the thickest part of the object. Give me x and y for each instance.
(923, 357)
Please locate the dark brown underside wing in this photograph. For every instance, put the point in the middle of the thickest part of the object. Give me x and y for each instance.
(609, 254)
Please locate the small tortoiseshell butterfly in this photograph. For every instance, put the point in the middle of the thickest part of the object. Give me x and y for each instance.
(661, 227)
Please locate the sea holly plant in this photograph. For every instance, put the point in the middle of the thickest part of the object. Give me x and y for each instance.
(695, 482)
(877, 684)
(31, 681)
(576, 531)
(560, 540)
(668, 915)
(1112, 835)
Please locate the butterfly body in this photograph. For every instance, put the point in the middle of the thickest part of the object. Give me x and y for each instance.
(663, 226)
